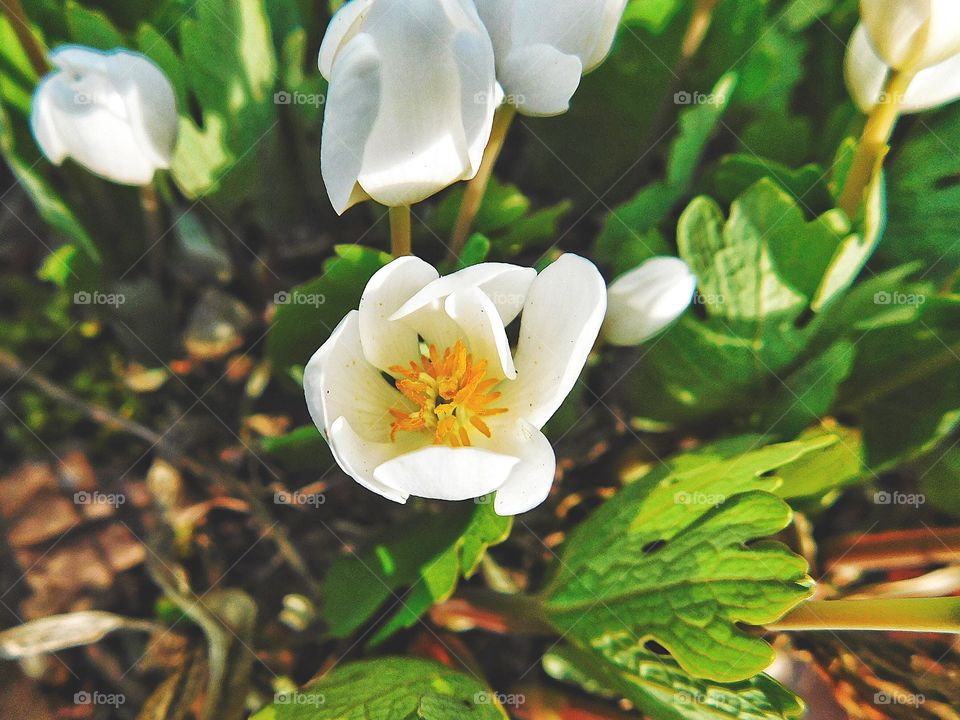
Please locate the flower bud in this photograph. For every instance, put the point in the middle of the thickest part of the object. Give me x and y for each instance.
(647, 299)
(543, 47)
(411, 99)
(114, 112)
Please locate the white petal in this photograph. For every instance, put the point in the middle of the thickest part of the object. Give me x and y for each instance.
(530, 482)
(866, 75)
(444, 473)
(506, 285)
(339, 382)
(560, 323)
(480, 94)
(359, 458)
(387, 343)
(44, 125)
(476, 315)
(933, 87)
(610, 20)
(351, 109)
(344, 25)
(647, 299)
(418, 144)
(893, 26)
(540, 79)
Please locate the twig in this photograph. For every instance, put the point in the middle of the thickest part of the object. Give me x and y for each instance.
(12, 367)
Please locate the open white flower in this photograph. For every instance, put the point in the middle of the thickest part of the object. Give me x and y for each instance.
(114, 112)
(411, 99)
(647, 299)
(867, 72)
(543, 47)
(461, 416)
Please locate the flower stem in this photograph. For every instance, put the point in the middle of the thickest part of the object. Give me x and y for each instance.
(904, 615)
(873, 145)
(700, 22)
(401, 242)
(21, 26)
(151, 225)
(477, 187)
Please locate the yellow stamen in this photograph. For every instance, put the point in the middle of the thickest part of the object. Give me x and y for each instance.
(451, 394)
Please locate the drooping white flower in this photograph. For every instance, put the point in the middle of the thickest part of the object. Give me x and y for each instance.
(411, 99)
(647, 299)
(113, 112)
(912, 34)
(866, 74)
(462, 414)
(543, 47)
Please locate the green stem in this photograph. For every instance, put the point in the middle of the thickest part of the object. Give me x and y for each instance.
(903, 615)
(477, 187)
(401, 242)
(873, 145)
(20, 23)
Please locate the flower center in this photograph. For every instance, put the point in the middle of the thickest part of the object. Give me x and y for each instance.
(452, 393)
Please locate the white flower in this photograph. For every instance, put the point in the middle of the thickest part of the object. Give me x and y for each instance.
(543, 47)
(411, 99)
(866, 75)
(114, 112)
(647, 299)
(912, 34)
(462, 415)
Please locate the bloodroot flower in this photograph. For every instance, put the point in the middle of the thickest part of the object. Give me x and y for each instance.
(114, 112)
(419, 393)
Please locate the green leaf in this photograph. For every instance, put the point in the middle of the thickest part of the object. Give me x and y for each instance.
(924, 196)
(667, 560)
(940, 480)
(818, 475)
(92, 27)
(905, 386)
(230, 66)
(388, 689)
(426, 554)
(475, 251)
(662, 690)
(734, 174)
(301, 449)
(314, 309)
(625, 238)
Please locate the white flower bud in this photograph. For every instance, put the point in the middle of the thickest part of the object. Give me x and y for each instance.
(114, 112)
(647, 299)
(914, 33)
